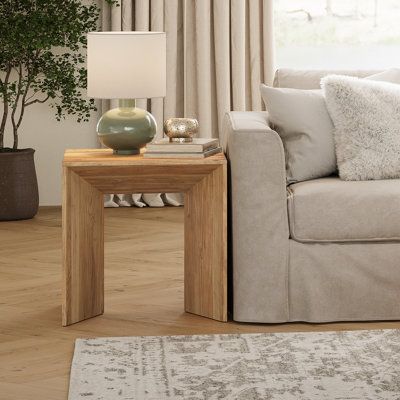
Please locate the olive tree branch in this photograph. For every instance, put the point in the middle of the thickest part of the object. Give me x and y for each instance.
(15, 105)
(5, 105)
(41, 73)
(28, 103)
(24, 92)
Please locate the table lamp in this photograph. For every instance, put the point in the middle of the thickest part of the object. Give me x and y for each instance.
(126, 66)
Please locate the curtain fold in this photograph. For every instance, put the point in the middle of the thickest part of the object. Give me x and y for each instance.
(218, 53)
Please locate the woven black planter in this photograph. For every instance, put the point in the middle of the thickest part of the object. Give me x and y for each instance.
(19, 197)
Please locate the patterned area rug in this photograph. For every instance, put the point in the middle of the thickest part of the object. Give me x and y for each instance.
(361, 365)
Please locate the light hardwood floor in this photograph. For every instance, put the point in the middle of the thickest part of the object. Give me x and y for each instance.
(143, 296)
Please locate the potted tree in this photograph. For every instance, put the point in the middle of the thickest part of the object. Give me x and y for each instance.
(42, 44)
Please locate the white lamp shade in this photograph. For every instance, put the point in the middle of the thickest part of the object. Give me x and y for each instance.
(126, 65)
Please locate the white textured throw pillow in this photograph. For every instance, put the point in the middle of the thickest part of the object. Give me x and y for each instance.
(302, 120)
(366, 116)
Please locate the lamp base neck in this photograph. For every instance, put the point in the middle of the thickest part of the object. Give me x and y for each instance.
(126, 103)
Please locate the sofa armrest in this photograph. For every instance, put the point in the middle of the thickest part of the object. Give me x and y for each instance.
(258, 221)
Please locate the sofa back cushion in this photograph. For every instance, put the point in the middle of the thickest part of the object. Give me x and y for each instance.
(311, 79)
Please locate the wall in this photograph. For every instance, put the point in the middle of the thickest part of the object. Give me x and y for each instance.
(50, 138)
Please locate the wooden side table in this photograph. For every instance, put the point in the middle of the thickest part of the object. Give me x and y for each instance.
(88, 174)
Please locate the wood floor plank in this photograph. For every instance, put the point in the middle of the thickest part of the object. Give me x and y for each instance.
(143, 296)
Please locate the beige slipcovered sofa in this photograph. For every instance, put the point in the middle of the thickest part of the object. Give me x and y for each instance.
(320, 250)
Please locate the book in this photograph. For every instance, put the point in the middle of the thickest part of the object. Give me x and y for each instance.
(207, 153)
(198, 145)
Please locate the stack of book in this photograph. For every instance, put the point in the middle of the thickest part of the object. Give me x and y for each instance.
(198, 148)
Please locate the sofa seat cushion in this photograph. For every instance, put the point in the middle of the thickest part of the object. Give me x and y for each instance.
(333, 210)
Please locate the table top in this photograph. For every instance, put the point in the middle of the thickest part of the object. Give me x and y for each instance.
(105, 157)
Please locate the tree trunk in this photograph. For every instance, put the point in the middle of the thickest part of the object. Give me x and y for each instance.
(3, 123)
(15, 133)
(14, 125)
(5, 107)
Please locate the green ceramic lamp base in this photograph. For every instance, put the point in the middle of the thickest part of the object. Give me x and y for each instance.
(126, 129)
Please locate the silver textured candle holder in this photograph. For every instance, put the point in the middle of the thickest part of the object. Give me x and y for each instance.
(181, 130)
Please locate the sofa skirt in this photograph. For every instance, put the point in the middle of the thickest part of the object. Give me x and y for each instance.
(343, 281)
(325, 282)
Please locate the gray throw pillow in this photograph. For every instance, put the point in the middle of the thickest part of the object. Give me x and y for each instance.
(366, 116)
(301, 119)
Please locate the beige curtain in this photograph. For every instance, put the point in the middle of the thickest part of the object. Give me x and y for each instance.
(218, 53)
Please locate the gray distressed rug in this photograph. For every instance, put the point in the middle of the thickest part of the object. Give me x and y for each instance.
(361, 365)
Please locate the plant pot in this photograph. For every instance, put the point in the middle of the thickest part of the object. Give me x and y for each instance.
(19, 196)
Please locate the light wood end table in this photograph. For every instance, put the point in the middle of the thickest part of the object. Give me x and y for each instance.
(88, 174)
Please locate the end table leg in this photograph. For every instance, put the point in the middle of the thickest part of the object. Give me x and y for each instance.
(206, 246)
(83, 250)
